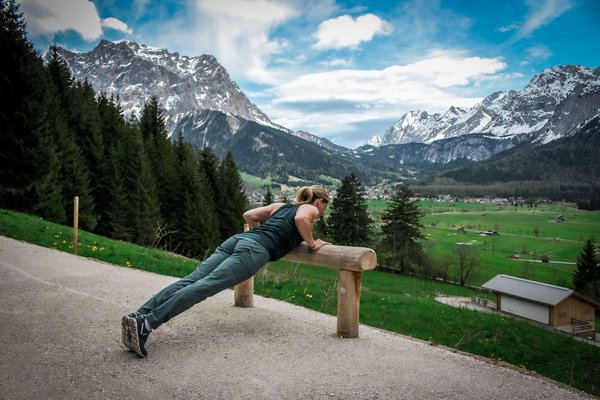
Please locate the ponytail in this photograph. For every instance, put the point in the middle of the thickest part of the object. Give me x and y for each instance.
(308, 194)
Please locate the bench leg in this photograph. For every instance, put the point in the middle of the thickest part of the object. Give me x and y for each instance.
(348, 303)
(244, 293)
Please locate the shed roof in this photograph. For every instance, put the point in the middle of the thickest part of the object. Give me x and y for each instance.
(526, 289)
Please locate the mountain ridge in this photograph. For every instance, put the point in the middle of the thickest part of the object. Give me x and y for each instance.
(201, 102)
(506, 114)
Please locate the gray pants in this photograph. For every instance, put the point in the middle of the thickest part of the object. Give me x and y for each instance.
(235, 260)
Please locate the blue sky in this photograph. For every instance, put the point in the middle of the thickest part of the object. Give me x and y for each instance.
(343, 70)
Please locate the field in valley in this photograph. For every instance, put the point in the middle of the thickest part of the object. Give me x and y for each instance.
(525, 237)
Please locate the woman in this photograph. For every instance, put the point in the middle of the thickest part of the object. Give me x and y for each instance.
(276, 229)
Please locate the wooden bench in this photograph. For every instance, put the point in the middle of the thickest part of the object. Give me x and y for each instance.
(351, 261)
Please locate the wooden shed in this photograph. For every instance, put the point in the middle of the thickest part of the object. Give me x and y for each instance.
(541, 302)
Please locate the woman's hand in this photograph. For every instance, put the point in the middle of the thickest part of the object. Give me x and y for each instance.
(318, 244)
(257, 216)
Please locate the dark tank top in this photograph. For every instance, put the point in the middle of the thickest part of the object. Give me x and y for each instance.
(278, 234)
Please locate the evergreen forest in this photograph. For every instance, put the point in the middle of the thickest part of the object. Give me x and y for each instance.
(59, 139)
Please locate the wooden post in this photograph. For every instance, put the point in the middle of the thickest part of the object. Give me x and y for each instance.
(243, 294)
(348, 303)
(75, 224)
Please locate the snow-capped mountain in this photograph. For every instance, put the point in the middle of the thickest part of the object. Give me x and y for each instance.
(419, 127)
(200, 101)
(554, 103)
(185, 86)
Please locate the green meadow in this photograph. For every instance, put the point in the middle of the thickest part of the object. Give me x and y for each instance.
(526, 237)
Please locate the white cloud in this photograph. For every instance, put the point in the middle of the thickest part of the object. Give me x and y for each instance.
(236, 32)
(114, 23)
(508, 28)
(261, 11)
(423, 80)
(337, 62)
(329, 103)
(344, 31)
(539, 52)
(542, 12)
(47, 17)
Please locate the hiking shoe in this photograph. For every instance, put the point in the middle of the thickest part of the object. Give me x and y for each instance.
(125, 331)
(125, 334)
(139, 334)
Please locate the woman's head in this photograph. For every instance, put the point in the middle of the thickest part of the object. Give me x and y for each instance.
(308, 194)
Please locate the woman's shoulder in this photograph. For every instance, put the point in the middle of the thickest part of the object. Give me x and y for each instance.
(276, 207)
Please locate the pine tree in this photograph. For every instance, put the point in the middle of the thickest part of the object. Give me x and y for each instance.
(115, 218)
(84, 122)
(349, 223)
(197, 231)
(49, 186)
(75, 176)
(23, 98)
(109, 186)
(161, 153)
(75, 180)
(268, 197)
(401, 229)
(61, 77)
(233, 199)
(140, 186)
(209, 165)
(588, 269)
(112, 121)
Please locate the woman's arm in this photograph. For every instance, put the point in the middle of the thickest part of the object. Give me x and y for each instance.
(257, 216)
(306, 214)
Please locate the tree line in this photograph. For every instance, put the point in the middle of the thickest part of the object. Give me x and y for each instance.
(59, 139)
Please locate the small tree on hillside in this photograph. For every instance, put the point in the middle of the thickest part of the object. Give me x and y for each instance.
(467, 263)
(268, 197)
(349, 223)
(401, 227)
(588, 269)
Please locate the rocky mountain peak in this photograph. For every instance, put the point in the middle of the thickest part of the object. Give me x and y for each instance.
(184, 85)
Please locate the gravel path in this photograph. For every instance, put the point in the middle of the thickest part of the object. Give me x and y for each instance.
(60, 339)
